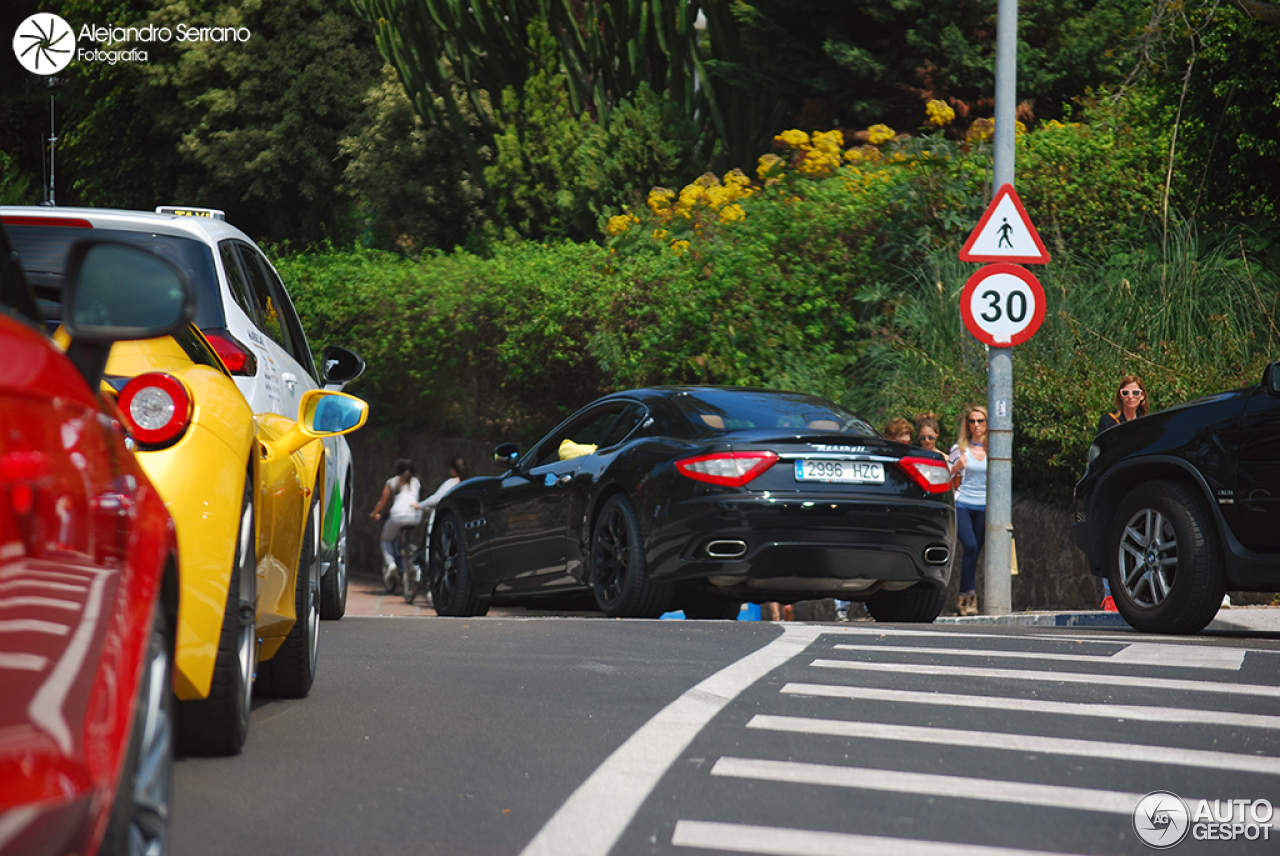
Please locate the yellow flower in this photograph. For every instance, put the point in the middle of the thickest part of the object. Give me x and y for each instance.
(707, 179)
(661, 234)
(981, 129)
(660, 200)
(819, 164)
(940, 112)
(1019, 129)
(794, 139)
(766, 165)
(680, 247)
(732, 213)
(620, 223)
(737, 178)
(719, 196)
(829, 142)
(880, 134)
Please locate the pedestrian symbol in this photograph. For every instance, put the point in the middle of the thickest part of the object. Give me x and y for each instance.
(1005, 234)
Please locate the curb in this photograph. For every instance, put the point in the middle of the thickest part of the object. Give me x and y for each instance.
(1041, 619)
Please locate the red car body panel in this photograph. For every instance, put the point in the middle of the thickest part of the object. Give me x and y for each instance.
(84, 546)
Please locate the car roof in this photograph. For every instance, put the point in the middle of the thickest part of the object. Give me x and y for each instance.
(209, 230)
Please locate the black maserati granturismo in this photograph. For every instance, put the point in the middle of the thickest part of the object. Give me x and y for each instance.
(701, 498)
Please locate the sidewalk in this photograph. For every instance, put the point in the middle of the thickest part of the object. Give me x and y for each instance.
(366, 599)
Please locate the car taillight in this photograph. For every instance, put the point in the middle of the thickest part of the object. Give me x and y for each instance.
(731, 469)
(156, 408)
(930, 474)
(238, 359)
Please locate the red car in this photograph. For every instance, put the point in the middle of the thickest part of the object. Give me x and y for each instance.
(88, 570)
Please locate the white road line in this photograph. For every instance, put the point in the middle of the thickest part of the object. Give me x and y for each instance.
(1056, 677)
(740, 838)
(1064, 634)
(959, 738)
(1226, 659)
(596, 814)
(928, 784)
(1134, 712)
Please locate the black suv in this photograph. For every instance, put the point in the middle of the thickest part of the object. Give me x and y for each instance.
(1178, 507)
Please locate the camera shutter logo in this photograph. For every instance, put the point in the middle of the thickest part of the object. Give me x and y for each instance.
(44, 44)
(1161, 819)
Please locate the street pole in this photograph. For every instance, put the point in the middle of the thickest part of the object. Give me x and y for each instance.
(997, 584)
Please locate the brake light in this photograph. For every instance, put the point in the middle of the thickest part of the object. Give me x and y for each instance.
(238, 359)
(932, 475)
(156, 407)
(19, 220)
(731, 469)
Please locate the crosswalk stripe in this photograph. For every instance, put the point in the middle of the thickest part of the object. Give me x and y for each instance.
(1131, 655)
(960, 738)
(929, 784)
(1133, 681)
(1140, 713)
(742, 838)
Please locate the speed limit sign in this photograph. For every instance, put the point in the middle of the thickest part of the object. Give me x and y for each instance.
(1002, 305)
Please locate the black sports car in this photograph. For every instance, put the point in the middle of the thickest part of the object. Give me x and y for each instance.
(700, 498)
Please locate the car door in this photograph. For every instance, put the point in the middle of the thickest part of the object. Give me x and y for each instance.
(264, 390)
(536, 497)
(275, 323)
(1258, 472)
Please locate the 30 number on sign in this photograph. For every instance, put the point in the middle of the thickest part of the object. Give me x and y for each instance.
(1002, 305)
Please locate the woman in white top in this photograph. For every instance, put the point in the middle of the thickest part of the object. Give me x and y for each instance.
(457, 473)
(968, 461)
(401, 490)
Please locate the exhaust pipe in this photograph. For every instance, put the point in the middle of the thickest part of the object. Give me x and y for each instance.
(936, 555)
(727, 549)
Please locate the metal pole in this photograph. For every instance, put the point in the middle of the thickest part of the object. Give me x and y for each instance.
(996, 584)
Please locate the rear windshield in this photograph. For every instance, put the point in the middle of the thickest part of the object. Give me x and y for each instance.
(43, 252)
(712, 410)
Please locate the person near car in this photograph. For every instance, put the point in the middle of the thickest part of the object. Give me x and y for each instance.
(968, 461)
(899, 429)
(401, 491)
(1130, 403)
(928, 430)
(457, 473)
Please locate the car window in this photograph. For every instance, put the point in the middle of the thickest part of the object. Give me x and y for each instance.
(15, 294)
(43, 251)
(264, 301)
(583, 436)
(195, 347)
(300, 350)
(713, 410)
(236, 280)
(625, 424)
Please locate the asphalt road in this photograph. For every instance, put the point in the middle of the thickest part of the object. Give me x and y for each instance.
(571, 736)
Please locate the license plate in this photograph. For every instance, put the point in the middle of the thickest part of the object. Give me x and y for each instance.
(845, 472)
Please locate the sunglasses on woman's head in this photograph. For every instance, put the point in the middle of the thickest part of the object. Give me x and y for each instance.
(1128, 392)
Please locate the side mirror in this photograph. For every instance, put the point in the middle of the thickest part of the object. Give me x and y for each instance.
(1271, 378)
(506, 455)
(321, 413)
(340, 366)
(117, 292)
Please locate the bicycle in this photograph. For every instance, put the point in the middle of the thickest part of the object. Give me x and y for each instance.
(412, 561)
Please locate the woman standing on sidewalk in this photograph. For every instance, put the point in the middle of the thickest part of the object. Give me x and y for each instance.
(968, 460)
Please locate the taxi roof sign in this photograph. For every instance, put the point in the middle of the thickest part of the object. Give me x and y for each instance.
(185, 211)
(1005, 234)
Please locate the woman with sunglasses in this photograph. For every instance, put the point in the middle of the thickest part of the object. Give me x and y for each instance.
(928, 430)
(1131, 402)
(968, 460)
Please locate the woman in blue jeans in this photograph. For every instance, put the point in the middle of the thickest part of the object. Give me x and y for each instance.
(968, 461)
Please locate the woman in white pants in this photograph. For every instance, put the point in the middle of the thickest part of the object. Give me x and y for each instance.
(401, 490)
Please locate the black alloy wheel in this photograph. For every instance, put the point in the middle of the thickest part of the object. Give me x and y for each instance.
(619, 573)
(139, 824)
(219, 723)
(453, 590)
(1164, 563)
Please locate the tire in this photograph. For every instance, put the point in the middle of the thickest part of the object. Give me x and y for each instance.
(920, 604)
(140, 815)
(333, 585)
(219, 724)
(292, 671)
(453, 589)
(1163, 560)
(619, 573)
(712, 609)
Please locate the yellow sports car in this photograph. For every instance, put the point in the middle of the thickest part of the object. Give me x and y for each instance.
(246, 493)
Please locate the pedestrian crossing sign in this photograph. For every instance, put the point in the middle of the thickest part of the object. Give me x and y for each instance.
(1005, 234)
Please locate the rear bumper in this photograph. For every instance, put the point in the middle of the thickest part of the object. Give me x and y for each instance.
(757, 546)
